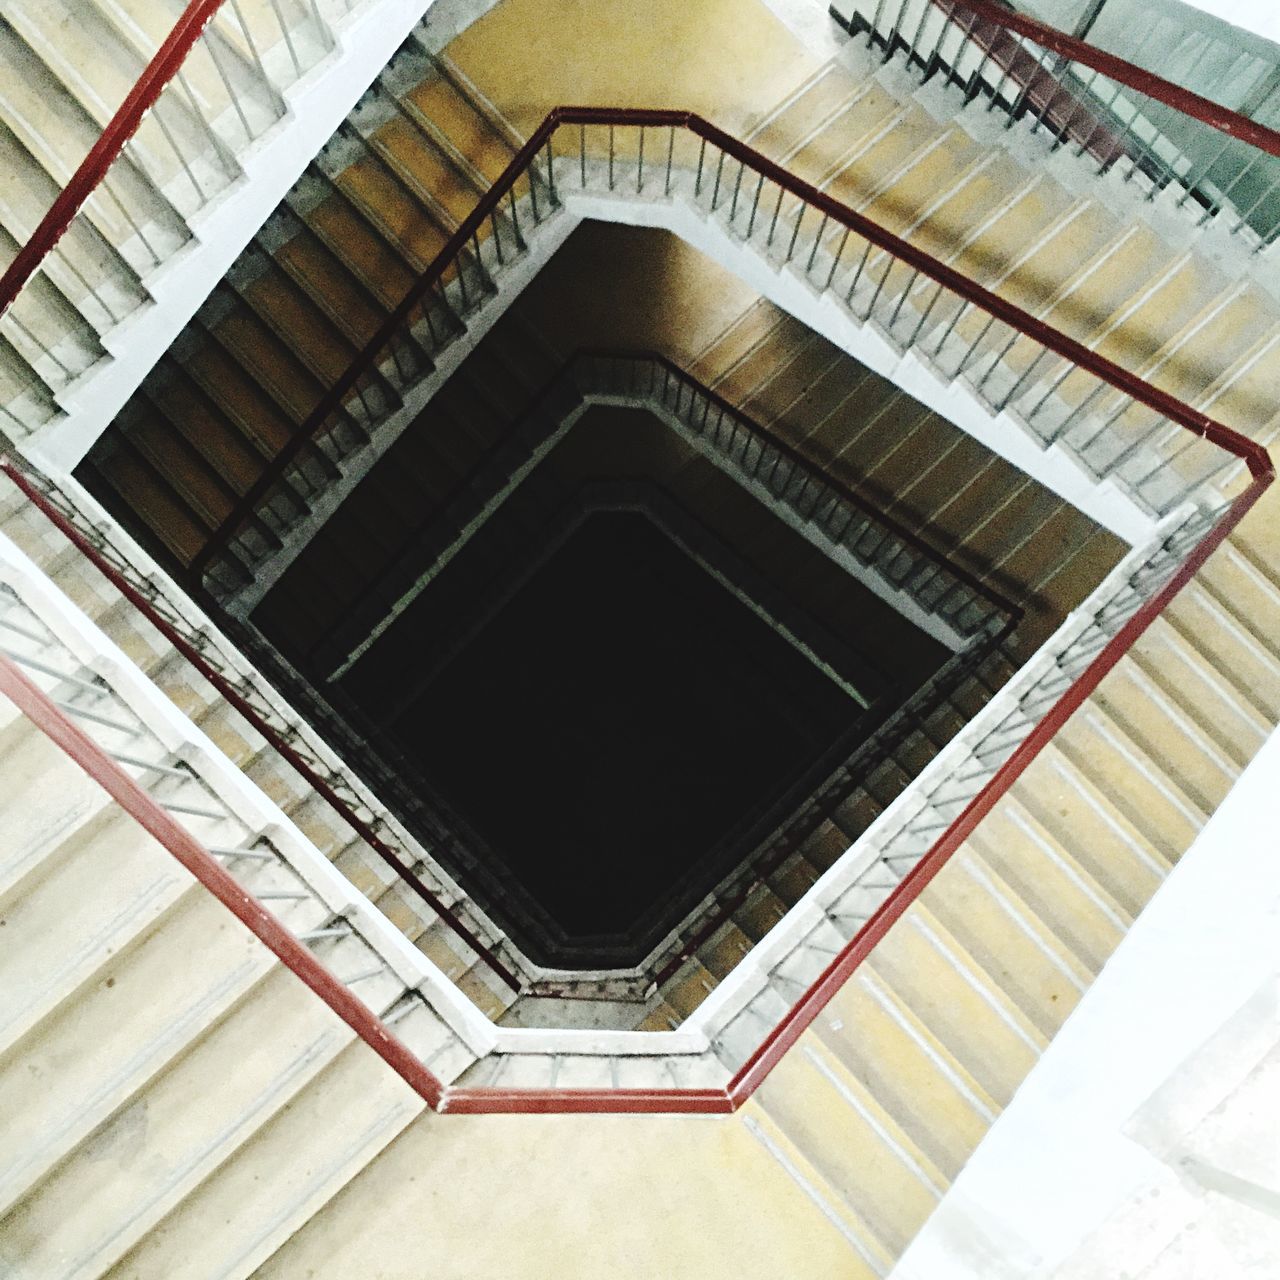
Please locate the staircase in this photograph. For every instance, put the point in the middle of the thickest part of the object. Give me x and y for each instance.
(66, 68)
(252, 757)
(159, 1065)
(368, 215)
(875, 1108)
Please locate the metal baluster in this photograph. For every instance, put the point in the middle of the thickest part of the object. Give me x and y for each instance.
(924, 319)
(1253, 208)
(875, 297)
(1191, 183)
(640, 163)
(611, 148)
(891, 39)
(982, 333)
(773, 221)
(249, 40)
(1025, 93)
(715, 190)
(755, 204)
(857, 274)
(1086, 91)
(288, 36)
(210, 44)
(817, 241)
(893, 319)
(926, 10)
(737, 186)
(1021, 381)
(974, 85)
(835, 262)
(671, 146)
(135, 227)
(177, 151)
(791, 248)
(874, 25)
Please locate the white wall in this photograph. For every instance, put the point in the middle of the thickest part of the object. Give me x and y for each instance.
(1093, 1171)
(1262, 17)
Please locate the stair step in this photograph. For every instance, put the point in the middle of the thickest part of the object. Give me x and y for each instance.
(913, 1076)
(862, 1155)
(870, 1258)
(102, 1200)
(1228, 646)
(724, 950)
(1005, 936)
(143, 1008)
(1117, 853)
(306, 1154)
(1167, 735)
(962, 1005)
(45, 803)
(1052, 882)
(1135, 783)
(109, 882)
(1169, 661)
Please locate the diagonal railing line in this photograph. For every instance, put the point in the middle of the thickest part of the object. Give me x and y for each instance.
(577, 368)
(147, 812)
(1014, 612)
(972, 293)
(1115, 68)
(785, 1034)
(162, 68)
(228, 690)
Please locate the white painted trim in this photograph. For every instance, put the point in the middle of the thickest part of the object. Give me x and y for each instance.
(315, 106)
(686, 1039)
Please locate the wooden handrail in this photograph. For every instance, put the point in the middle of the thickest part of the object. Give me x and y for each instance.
(1121, 71)
(1017, 318)
(166, 63)
(246, 709)
(752, 1073)
(58, 727)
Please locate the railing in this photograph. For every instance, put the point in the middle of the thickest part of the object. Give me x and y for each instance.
(105, 736)
(1111, 421)
(1127, 119)
(903, 864)
(212, 85)
(824, 507)
(922, 305)
(877, 547)
(282, 729)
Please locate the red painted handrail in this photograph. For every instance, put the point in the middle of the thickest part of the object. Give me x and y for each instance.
(788, 1031)
(58, 727)
(1108, 371)
(909, 537)
(1118, 69)
(471, 1100)
(93, 168)
(245, 708)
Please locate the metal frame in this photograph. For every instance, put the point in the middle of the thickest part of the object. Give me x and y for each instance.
(1118, 69)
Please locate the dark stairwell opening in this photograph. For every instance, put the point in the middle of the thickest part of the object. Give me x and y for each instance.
(851, 425)
(617, 730)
